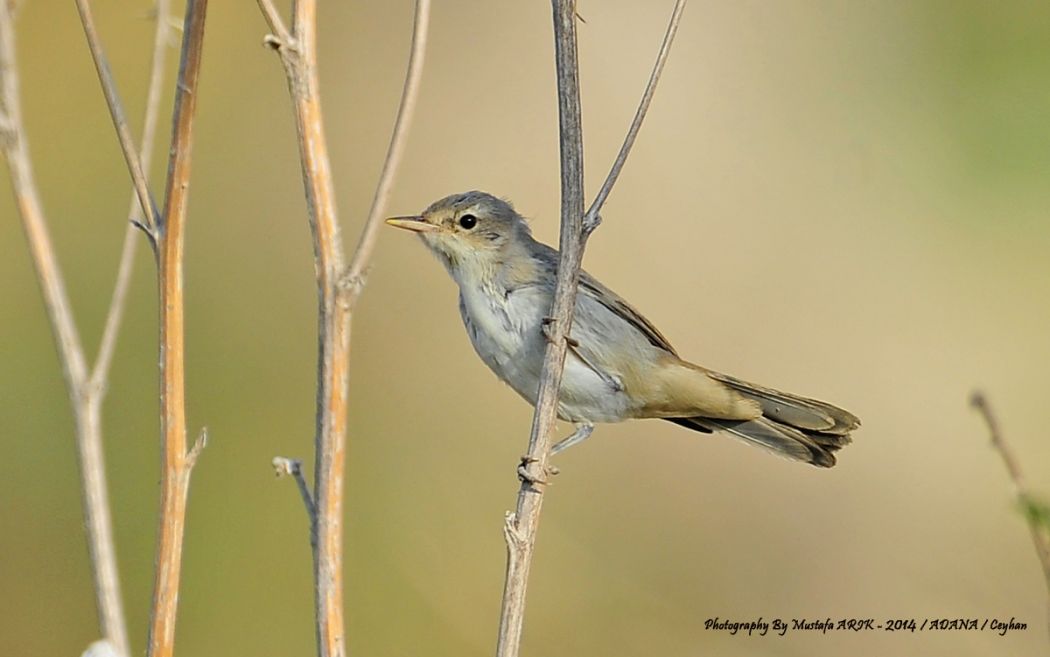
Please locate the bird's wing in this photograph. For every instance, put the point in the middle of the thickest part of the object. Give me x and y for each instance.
(593, 288)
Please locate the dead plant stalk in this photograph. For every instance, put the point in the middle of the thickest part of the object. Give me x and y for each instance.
(86, 386)
(520, 527)
(338, 287)
(166, 233)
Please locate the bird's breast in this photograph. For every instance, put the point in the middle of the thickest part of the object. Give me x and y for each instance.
(506, 331)
(500, 326)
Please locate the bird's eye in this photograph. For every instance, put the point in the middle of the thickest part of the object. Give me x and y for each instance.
(468, 221)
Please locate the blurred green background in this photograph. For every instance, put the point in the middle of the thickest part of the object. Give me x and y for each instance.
(847, 200)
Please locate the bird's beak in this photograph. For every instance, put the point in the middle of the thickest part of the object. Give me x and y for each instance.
(415, 223)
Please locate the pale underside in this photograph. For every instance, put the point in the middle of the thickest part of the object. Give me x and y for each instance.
(613, 370)
(618, 365)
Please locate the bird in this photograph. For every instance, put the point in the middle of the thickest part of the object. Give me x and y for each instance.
(618, 366)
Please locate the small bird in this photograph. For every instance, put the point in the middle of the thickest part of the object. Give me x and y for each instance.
(618, 366)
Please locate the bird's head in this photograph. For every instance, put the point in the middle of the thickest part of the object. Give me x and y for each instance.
(472, 231)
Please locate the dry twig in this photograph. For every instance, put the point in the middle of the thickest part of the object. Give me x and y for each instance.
(120, 122)
(285, 467)
(86, 387)
(298, 52)
(338, 287)
(366, 243)
(177, 461)
(167, 235)
(592, 218)
(117, 304)
(521, 526)
(1040, 532)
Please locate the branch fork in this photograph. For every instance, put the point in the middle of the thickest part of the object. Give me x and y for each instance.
(166, 231)
(149, 232)
(576, 227)
(590, 223)
(85, 385)
(280, 36)
(338, 288)
(276, 43)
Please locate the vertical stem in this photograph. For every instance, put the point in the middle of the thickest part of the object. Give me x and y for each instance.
(99, 524)
(84, 395)
(333, 332)
(338, 287)
(177, 463)
(521, 526)
(329, 473)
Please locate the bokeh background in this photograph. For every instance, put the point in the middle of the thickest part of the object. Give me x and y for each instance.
(846, 200)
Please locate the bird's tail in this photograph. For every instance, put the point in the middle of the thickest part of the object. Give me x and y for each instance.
(791, 426)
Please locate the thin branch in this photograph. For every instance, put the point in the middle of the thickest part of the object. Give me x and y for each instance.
(333, 325)
(120, 122)
(366, 244)
(520, 527)
(85, 390)
(274, 20)
(177, 461)
(980, 403)
(285, 467)
(16, 151)
(1040, 536)
(337, 288)
(592, 218)
(118, 302)
(99, 524)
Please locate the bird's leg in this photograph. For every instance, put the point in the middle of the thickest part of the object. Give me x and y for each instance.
(582, 433)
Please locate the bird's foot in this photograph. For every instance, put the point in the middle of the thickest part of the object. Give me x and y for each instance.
(534, 480)
(545, 326)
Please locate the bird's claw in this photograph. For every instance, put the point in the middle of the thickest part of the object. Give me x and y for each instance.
(545, 326)
(534, 480)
